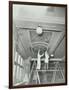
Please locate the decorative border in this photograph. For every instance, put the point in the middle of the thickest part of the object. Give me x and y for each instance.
(11, 43)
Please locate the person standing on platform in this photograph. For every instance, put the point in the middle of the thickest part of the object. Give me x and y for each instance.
(39, 59)
(46, 59)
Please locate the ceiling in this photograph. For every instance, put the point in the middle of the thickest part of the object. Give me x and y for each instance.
(27, 18)
(38, 13)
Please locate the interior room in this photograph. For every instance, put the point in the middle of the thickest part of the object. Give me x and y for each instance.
(38, 44)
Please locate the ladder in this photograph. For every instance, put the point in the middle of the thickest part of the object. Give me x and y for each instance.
(37, 78)
(35, 72)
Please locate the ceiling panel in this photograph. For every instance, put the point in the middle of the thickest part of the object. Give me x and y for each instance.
(60, 51)
(26, 43)
(45, 37)
(27, 38)
(55, 41)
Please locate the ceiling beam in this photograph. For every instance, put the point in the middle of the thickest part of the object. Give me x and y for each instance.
(56, 29)
(46, 19)
(32, 25)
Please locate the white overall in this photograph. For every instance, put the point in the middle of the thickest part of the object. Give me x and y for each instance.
(46, 57)
(39, 60)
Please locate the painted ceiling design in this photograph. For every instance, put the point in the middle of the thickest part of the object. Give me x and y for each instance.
(29, 42)
(51, 19)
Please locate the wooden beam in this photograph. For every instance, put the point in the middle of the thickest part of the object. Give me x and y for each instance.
(44, 29)
(51, 59)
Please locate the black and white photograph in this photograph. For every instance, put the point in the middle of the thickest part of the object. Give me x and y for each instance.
(38, 44)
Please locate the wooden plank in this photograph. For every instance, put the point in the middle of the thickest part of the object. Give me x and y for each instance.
(44, 29)
(51, 59)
